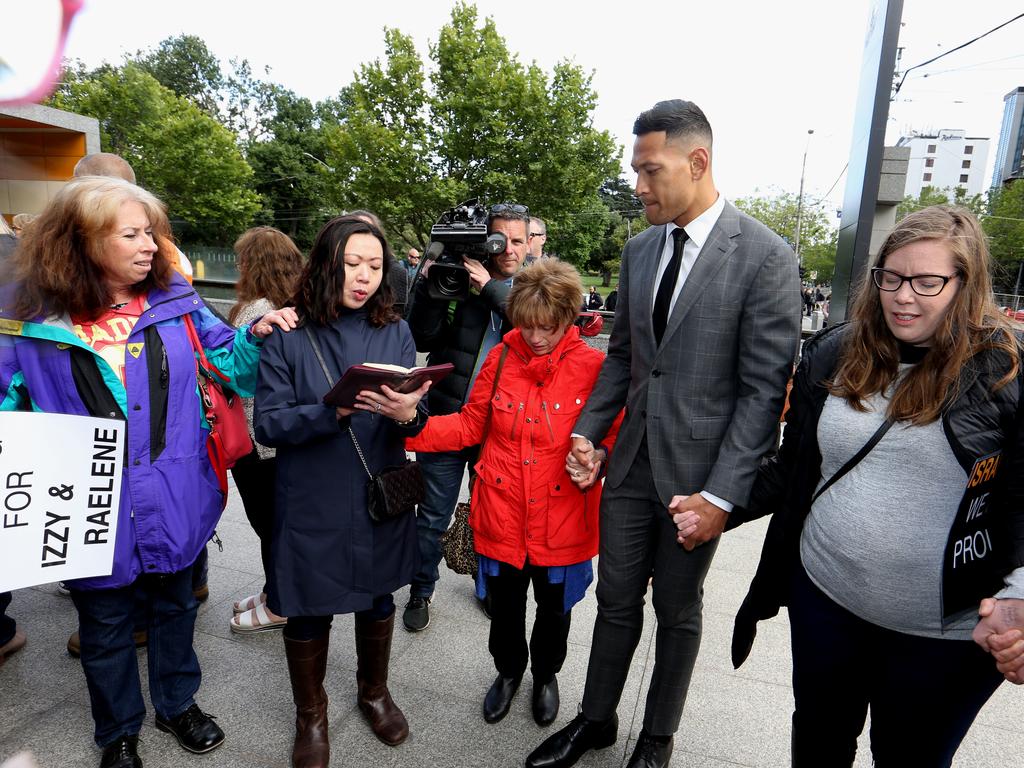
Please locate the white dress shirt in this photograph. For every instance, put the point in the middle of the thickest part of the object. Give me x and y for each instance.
(697, 233)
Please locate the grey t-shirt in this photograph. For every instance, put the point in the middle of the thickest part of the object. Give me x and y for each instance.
(874, 541)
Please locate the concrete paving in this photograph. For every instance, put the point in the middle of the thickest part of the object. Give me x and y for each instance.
(439, 676)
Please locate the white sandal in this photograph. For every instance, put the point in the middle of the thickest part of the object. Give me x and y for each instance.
(257, 619)
(249, 603)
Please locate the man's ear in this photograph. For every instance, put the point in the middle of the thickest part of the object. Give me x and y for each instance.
(700, 161)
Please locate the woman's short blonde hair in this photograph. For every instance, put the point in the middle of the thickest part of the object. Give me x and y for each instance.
(546, 293)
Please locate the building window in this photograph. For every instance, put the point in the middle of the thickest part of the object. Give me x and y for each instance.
(963, 178)
(929, 162)
(965, 164)
(931, 149)
(969, 150)
(927, 177)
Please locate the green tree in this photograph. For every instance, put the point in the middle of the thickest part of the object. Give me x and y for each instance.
(186, 66)
(818, 234)
(1004, 226)
(935, 196)
(624, 219)
(179, 153)
(483, 125)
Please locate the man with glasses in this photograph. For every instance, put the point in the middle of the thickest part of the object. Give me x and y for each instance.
(460, 333)
(538, 236)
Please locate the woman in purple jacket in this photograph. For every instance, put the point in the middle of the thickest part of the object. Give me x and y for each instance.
(100, 333)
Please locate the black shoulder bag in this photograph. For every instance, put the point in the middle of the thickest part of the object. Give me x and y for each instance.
(392, 492)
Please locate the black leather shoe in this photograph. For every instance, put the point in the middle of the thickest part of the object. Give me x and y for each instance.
(545, 701)
(123, 753)
(194, 730)
(499, 697)
(651, 752)
(568, 745)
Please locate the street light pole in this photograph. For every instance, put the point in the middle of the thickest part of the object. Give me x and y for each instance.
(800, 197)
(317, 159)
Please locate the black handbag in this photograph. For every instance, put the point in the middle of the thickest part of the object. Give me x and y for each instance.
(392, 492)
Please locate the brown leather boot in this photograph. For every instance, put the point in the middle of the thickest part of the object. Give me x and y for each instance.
(373, 651)
(307, 665)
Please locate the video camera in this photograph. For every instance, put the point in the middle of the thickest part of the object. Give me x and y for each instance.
(460, 231)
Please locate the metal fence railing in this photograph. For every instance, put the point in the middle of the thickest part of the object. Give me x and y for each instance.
(1013, 301)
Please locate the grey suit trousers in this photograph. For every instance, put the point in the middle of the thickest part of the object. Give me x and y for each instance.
(638, 539)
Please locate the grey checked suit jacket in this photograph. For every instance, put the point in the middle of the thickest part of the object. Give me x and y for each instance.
(709, 397)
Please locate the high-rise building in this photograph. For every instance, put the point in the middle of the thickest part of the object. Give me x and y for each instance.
(945, 160)
(1010, 150)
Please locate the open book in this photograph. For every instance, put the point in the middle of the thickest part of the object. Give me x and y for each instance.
(371, 376)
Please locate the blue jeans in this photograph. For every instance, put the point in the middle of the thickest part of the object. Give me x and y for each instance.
(442, 473)
(7, 625)
(105, 618)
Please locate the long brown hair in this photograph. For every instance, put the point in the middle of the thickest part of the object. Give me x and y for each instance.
(870, 359)
(318, 294)
(57, 261)
(269, 263)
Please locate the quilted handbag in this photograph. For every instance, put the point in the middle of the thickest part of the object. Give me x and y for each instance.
(394, 491)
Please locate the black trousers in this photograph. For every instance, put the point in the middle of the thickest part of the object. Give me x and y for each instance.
(254, 478)
(507, 642)
(924, 692)
(638, 539)
(7, 625)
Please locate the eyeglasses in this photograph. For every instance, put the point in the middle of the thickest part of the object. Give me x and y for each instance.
(922, 285)
(538, 234)
(499, 208)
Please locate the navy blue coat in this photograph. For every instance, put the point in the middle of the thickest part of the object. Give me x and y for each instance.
(328, 556)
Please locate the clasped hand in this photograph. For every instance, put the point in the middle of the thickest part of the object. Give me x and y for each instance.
(1001, 632)
(697, 520)
(583, 462)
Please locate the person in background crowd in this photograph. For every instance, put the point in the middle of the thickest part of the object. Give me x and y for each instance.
(594, 301)
(544, 366)
(411, 264)
(21, 222)
(611, 302)
(461, 333)
(268, 266)
(327, 555)
(881, 610)
(91, 282)
(703, 389)
(538, 237)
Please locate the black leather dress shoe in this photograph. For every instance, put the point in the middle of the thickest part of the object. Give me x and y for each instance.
(122, 753)
(564, 748)
(194, 730)
(545, 702)
(651, 752)
(499, 697)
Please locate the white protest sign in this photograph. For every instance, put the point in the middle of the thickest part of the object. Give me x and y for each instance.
(60, 486)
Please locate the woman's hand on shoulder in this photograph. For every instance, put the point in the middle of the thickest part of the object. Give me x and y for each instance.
(285, 318)
(400, 406)
(1001, 632)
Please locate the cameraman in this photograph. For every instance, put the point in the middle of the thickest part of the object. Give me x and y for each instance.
(460, 333)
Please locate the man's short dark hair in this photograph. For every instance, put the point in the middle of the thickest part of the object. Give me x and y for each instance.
(679, 119)
(508, 212)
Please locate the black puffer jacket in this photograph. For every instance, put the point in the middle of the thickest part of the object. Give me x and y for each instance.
(979, 424)
(452, 332)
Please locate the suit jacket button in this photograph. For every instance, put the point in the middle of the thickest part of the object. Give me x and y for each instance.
(655, 373)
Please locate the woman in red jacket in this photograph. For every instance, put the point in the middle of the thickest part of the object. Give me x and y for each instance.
(531, 523)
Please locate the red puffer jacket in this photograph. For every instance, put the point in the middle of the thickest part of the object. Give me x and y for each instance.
(524, 503)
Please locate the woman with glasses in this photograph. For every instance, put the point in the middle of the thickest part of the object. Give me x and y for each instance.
(898, 507)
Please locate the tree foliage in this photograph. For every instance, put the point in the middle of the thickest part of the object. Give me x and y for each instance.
(818, 234)
(1004, 226)
(935, 196)
(186, 66)
(179, 153)
(481, 125)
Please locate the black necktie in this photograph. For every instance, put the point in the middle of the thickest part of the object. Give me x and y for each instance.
(667, 285)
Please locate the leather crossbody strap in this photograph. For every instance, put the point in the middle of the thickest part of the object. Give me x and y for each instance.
(856, 458)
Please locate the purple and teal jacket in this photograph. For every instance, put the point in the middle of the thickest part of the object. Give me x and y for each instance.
(170, 499)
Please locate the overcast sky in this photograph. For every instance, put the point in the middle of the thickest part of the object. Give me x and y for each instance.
(764, 73)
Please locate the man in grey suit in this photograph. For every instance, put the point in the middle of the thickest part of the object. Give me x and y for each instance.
(705, 336)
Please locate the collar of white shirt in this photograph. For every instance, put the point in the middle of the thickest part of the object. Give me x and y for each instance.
(698, 230)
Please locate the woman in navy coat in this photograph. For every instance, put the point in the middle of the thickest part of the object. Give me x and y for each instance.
(328, 556)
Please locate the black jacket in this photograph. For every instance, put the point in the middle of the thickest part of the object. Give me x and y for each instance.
(452, 332)
(978, 424)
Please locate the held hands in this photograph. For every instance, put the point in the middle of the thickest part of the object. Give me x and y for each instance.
(1001, 633)
(478, 274)
(395, 405)
(284, 318)
(698, 520)
(583, 462)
